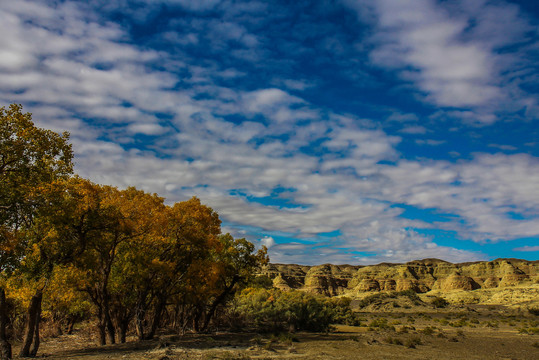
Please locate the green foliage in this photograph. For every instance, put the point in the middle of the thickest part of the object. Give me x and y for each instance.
(411, 294)
(273, 310)
(342, 312)
(261, 281)
(439, 302)
(379, 297)
(371, 299)
(381, 324)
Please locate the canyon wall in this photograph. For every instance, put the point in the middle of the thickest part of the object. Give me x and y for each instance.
(420, 276)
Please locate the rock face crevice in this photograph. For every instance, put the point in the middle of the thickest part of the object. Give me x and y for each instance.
(420, 276)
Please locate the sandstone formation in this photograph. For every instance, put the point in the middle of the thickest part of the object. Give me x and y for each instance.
(420, 276)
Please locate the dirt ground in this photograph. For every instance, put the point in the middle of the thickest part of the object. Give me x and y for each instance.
(470, 334)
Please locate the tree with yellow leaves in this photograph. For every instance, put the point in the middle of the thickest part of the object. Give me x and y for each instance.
(29, 157)
(122, 252)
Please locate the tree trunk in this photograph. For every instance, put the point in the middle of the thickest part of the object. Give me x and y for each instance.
(33, 314)
(123, 330)
(101, 326)
(5, 346)
(71, 324)
(102, 333)
(59, 329)
(157, 318)
(110, 329)
(139, 324)
(196, 319)
(107, 321)
(35, 345)
(216, 303)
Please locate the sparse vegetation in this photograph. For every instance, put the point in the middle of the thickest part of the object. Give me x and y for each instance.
(534, 311)
(439, 302)
(529, 331)
(379, 298)
(428, 330)
(393, 341)
(412, 342)
(381, 324)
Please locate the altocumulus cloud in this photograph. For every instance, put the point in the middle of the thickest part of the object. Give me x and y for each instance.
(197, 98)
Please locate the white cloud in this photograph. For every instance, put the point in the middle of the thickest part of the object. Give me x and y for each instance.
(527, 248)
(71, 68)
(268, 242)
(424, 36)
(451, 51)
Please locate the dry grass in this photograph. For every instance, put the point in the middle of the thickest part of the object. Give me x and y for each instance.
(401, 336)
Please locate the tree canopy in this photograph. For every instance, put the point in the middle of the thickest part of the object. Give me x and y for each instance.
(71, 249)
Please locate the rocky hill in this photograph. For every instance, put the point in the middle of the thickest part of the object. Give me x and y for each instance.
(484, 279)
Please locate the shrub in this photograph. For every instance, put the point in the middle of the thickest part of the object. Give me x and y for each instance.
(342, 312)
(412, 342)
(371, 299)
(274, 310)
(381, 324)
(439, 302)
(534, 311)
(412, 295)
(428, 330)
(261, 281)
(393, 341)
(459, 323)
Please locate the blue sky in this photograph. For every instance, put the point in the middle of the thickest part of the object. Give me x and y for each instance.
(343, 131)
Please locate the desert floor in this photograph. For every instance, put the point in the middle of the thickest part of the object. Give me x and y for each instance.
(458, 334)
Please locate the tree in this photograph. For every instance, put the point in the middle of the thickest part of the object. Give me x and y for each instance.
(91, 227)
(29, 157)
(235, 265)
(189, 237)
(68, 215)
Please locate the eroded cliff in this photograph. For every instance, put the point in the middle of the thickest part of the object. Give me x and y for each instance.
(421, 276)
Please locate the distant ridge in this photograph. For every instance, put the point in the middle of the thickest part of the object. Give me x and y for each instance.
(430, 275)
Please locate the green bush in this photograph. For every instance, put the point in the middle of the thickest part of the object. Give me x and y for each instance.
(261, 281)
(411, 294)
(379, 297)
(274, 310)
(371, 299)
(439, 302)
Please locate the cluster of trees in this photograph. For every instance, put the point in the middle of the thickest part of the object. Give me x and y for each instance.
(70, 248)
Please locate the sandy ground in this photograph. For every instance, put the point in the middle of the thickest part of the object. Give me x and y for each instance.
(441, 335)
